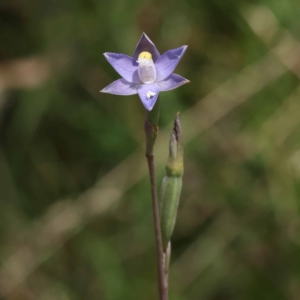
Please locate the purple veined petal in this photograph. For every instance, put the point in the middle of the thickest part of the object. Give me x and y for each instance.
(148, 93)
(121, 87)
(172, 82)
(123, 64)
(167, 62)
(145, 44)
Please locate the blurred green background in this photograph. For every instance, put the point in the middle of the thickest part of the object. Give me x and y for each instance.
(75, 216)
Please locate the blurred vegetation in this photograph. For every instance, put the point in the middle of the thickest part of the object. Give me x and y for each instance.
(75, 217)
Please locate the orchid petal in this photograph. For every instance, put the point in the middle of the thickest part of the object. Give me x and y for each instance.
(166, 63)
(148, 94)
(145, 44)
(121, 87)
(172, 82)
(123, 64)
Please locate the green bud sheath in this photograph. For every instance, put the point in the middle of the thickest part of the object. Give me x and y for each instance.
(170, 193)
(172, 184)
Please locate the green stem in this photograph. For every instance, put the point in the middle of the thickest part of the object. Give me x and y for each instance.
(162, 282)
(151, 129)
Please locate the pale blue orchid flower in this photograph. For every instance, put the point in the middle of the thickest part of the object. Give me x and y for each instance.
(146, 73)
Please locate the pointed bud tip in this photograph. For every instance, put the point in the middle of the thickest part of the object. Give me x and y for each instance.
(177, 127)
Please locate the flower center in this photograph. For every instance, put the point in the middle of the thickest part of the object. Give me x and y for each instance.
(146, 68)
